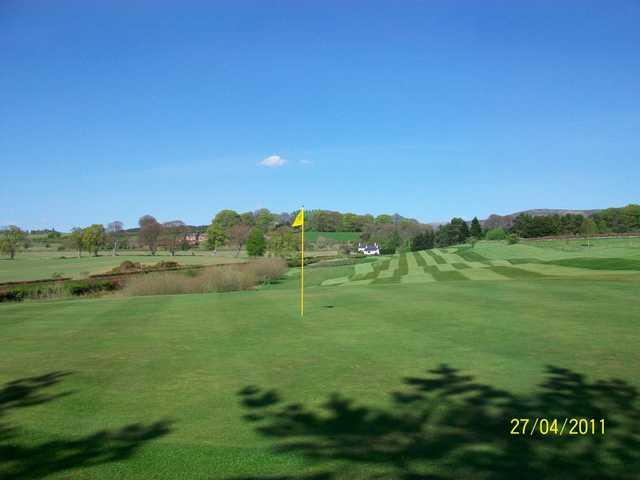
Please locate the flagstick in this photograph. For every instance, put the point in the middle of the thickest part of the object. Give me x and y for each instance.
(302, 266)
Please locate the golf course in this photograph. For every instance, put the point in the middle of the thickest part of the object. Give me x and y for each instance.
(320, 240)
(407, 366)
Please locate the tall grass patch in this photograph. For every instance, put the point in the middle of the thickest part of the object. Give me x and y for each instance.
(226, 278)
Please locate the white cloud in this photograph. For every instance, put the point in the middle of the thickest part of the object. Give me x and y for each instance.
(273, 161)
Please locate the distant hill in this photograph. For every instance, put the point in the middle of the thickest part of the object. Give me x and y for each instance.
(506, 221)
(556, 211)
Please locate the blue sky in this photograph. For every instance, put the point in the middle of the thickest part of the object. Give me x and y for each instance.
(112, 110)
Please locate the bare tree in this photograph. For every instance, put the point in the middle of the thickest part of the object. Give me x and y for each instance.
(173, 232)
(115, 232)
(75, 240)
(238, 235)
(150, 231)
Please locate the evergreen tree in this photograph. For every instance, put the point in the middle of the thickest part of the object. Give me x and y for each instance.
(476, 229)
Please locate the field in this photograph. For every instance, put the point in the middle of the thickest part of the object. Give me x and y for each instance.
(39, 264)
(336, 236)
(408, 367)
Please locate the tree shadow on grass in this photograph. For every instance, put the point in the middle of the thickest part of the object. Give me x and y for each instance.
(21, 460)
(447, 425)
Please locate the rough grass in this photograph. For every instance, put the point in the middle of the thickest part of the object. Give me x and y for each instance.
(225, 278)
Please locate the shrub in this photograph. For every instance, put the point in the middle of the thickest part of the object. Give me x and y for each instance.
(12, 295)
(496, 234)
(295, 261)
(513, 238)
(256, 243)
(85, 287)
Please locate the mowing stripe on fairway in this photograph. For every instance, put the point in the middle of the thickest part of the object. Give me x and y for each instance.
(470, 255)
(500, 263)
(428, 259)
(417, 278)
(435, 256)
(358, 282)
(335, 281)
(557, 270)
(420, 260)
(391, 269)
(460, 266)
(516, 273)
(403, 265)
(473, 264)
(452, 258)
(362, 270)
(413, 265)
(482, 274)
(445, 267)
(444, 276)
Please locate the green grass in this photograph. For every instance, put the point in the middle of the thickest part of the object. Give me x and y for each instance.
(600, 263)
(183, 359)
(312, 236)
(238, 385)
(436, 257)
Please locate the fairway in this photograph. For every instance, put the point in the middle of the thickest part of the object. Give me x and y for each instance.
(498, 261)
(186, 382)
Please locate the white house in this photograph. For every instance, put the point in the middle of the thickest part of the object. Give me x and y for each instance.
(369, 248)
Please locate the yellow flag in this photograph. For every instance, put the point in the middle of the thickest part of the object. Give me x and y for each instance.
(299, 221)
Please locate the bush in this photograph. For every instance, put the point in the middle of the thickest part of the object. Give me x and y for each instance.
(12, 295)
(256, 243)
(496, 234)
(295, 261)
(513, 239)
(85, 287)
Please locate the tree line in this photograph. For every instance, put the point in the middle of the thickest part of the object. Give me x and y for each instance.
(262, 231)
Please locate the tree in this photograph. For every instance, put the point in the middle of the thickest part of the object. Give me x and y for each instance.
(248, 218)
(476, 228)
(256, 243)
(10, 238)
(76, 241)
(390, 245)
(238, 235)
(462, 229)
(447, 235)
(384, 219)
(422, 241)
(263, 219)
(226, 219)
(93, 238)
(588, 228)
(496, 234)
(150, 231)
(282, 242)
(115, 233)
(215, 237)
(172, 234)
